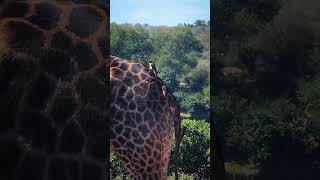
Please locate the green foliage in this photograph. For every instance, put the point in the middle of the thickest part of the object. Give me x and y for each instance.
(200, 23)
(130, 43)
(271, 115)
(199, 78)
(176, 50)
(245, 22)
(168, 75)
(116, 170)
(203, 35)
(199, 126)
(309, 94)
(262, 127)
(197, 104)
(309, 91)
(315, 59)
(188, 100)
(194, 150)
(241, 169)
(182, 177)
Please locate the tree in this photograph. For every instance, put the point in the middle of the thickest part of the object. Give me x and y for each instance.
(200, 23)
(130, 43)
(176, 49)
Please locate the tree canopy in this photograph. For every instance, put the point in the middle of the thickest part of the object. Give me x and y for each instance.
(265, 58)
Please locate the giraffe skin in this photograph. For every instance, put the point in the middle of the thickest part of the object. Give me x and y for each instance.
(142, 117)
(53, 122)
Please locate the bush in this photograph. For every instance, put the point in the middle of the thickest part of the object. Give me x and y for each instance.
(116, 170)
(194, 150)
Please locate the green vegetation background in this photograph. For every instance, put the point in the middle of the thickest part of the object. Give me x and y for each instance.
(182, 58)
(266, 87)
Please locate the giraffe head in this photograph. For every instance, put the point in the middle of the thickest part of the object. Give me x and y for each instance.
(141, 119)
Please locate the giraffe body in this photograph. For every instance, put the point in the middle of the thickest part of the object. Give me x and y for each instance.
(142, 118)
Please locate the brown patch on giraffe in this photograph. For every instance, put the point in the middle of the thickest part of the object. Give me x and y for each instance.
(132, 106)
(56, 63)
(116, 73)
(104, 46)
(62, 109)
(129, 95)
(143, 129)
(72, 168)
(91, 90)
(126, 133)
(128, 81)
(143, 76)
(140, 90)
(84, 56)
(38, 126)
(122, 91)
(14, 9)
(56, 169)
(84, 21)
(62, 41)
(19, 34)
(72, 139)
(114, 64)
(136, 68)
(125, 67)
(32, 166)
(42, 88)
(45, 15)
(138, 140)
(130, 120)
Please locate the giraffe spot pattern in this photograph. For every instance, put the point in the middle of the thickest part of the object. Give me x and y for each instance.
(14, 9)
(140, 93)
(61, 41)
(136, 68)
(84, 56)
(60, 130)
(45, 16)
(72, 139)
(32, 167)
(84, 21)
(19, 35)
(56, 63)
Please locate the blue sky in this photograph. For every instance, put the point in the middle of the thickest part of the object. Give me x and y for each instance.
(159, 12)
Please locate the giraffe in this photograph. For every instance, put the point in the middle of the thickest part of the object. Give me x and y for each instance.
(54, 104)
(142, 118)
(53, 100)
